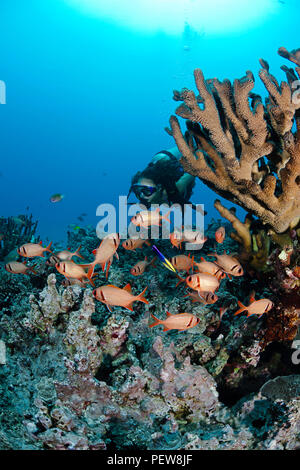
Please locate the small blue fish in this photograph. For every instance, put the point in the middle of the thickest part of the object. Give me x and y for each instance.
(164, 260)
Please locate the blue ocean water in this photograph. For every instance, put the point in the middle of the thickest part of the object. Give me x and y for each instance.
(88, 97)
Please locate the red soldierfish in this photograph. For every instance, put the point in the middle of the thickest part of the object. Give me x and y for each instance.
(176, 238)
(30, 250)
(114, 296)
(194, 237)
(147, 218)
(206, 298)
(256, 307)
(220, 235)
(105, 252)
(182, 262)
(140, 267)
(69, 269)
(210, 268)
(67, 255)
(228, 264)
(132, 244)
(15, 267)
(179, 321)
(203, 282)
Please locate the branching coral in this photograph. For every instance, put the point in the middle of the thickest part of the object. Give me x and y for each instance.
(245, 151)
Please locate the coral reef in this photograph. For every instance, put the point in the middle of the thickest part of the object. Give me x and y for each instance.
(75, 376)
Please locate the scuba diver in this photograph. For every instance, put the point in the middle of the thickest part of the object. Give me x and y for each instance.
(163, 181)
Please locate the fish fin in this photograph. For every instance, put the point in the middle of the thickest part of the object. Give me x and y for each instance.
(109, 308)
(156, 322)
(48, 247)
(128, 288)
(77, 252)
(212, 254)
(141, 297)
(116, 255)
(94, 252)
(90, 275)
(200, 296)
(180, 280)
(252, 297)
(166, 329)
(166, 216)
(241, 309)
(168, 314)
(108, 265)
(31, 268)
(85, 265)
(129, 307)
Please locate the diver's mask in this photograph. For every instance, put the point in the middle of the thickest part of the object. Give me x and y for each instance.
(143, 192)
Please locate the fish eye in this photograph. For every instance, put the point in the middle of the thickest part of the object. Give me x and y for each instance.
(189, 279)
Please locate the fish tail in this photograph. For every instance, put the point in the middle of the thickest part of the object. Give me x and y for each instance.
(77, 252)
(212, 254)
(32, 270)
(166, 216)
(141, 297)
(48, 247)
(108, 264)
(90, 274)
(181, 279)
(241, 309)
(156, 322)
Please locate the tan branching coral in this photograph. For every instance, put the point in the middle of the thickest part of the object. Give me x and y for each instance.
(245, 151)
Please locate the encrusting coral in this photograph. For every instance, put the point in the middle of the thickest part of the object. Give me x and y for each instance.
(245, 151)
(78, 377)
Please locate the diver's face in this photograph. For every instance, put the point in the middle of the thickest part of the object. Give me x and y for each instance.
(147, 191)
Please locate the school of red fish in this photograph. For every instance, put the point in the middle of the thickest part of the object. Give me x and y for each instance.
(204, 282)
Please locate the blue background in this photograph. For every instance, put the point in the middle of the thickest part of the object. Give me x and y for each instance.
(88, 100)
